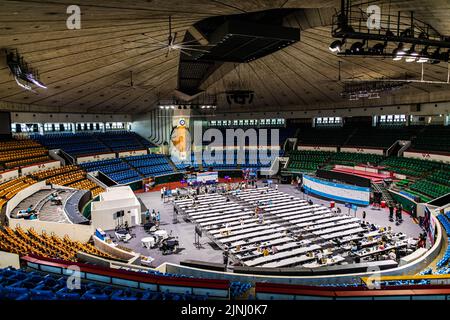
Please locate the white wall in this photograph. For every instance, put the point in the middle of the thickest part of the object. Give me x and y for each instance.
(317, 148)
(40, 167)
(9, 260)
(97, 157)
(132, 153)
(363, 150)
(427, 156)
(8, 175)
(29, 117)
(293, 112)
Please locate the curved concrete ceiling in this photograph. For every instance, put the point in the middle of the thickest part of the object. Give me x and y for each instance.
(87, 70)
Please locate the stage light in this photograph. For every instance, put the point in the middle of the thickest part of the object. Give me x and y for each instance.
(434, 59)
(411, 55)
(379, 48)
(444, 56)
(424, 55)
(357, 47)
(399, 52)
(336, 46)
(161, 107)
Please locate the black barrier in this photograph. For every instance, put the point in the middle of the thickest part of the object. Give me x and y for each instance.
(204, 265)
(344, 177)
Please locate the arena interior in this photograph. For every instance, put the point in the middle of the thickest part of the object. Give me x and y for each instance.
(224, 150)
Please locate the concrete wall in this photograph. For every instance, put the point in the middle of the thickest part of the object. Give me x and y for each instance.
(156, 125)
(36, 117)
(8, 175)
(427, 156)
(9, 260)
(97, 157)
(40, 167)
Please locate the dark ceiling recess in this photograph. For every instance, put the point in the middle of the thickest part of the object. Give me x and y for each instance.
(237, 38)
(238, 41)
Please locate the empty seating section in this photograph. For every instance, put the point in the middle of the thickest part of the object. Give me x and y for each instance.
(24, 242)
(432, 189)
(381, 137)
(311, 160)
(432, 139)
(442, 266)
(22, 285)
(441, 176)
(106, 166)
(11, 188)
(410, 167)
(225, 160)
(307, 160)
(74, 144)
(16, 153)
(323, 136)
(150, 164)
(71, 176)
(352, 159)
(54, 172)
(426, 138)
(130, 169)
(123, 141)
(80, 144)
(87, 184)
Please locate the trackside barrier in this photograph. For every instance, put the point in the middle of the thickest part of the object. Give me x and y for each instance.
(271, 291)
(210, 287)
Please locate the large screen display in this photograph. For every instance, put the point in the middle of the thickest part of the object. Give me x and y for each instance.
(205, 177)
(337, 191)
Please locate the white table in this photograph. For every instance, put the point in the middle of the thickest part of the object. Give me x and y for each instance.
(148, 242)
(161, 233)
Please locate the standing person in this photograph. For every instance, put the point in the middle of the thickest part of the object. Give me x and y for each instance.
(276, 186)
(225, 257)
(364, 215)
(260, 218)
(241, 220)
(391, 212)
(158, 218)
(162, 193)
(413, 211)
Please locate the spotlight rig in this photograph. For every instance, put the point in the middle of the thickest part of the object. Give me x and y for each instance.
(356, 90)
(24, 75)
(206, 103)
(401, 37)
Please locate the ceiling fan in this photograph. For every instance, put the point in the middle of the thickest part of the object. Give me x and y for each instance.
(186, 47)
(131, 85)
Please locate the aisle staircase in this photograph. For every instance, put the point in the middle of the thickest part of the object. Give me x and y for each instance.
(385, 195)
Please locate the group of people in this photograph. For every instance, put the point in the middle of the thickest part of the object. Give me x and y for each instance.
(396, 208)
(27, 214)
(154, 216)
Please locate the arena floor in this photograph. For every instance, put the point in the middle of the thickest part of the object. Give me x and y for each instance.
(209, 252)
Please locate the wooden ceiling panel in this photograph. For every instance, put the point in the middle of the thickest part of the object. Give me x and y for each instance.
(81, 67)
